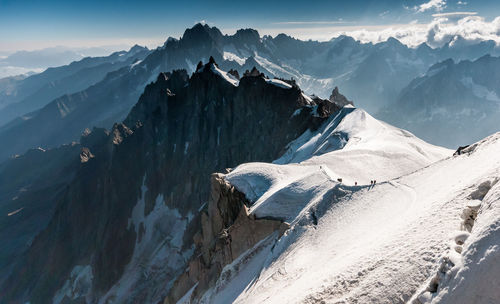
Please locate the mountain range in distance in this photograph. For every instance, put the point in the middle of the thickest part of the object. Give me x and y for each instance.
(373, 75)
(231, 168)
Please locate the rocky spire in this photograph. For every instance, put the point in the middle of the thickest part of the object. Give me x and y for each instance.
(339, 99)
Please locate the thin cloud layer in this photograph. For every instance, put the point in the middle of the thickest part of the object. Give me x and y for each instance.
(437, 5)
(452, 27)
(441, 30)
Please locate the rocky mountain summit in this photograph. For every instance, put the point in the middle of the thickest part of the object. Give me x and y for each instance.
(123, 228)
(54, 107)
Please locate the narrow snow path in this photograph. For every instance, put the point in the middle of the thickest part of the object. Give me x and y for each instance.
(373, 244)
(352, 231)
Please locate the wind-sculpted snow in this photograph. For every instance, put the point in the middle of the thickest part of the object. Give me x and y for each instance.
(225, 75)
(158, 253)
(279, 83)
(403, 239)
(351, 146)
(480, 267)
(139, 235)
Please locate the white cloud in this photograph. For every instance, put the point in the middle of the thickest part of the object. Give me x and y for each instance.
(6, 71)
(454, 14)
(444, 28)
(383, 14)
(437, 5)
(471, 29)
(114, 44)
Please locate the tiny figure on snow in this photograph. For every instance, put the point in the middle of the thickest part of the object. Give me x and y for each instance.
(355, 183)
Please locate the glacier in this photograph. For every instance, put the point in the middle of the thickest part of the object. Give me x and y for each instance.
(404, 239)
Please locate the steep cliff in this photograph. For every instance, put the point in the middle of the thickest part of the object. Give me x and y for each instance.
(123, 228)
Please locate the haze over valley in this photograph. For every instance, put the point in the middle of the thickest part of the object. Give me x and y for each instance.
(284, 152)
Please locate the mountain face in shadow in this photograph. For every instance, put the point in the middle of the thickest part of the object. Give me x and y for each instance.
(133, 203)
(371, 74)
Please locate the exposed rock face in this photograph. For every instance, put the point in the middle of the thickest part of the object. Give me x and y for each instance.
(149, 176)
(30, 187)
(32, 93)
(227, 231)
(338, 99)
(372, 74)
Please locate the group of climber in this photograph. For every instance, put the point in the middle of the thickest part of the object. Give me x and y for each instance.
(372, 182)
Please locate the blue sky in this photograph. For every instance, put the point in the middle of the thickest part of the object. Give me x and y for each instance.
(36, 24)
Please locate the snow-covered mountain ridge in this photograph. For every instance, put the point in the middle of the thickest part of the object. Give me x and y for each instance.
(426, 232)
(352, 146)
(453, 104)
(133, 198)
(297, 220)
(371, 74)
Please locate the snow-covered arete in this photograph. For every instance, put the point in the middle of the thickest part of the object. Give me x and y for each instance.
(225, 75)
(279, 83)
(351, 145)
(400, 240)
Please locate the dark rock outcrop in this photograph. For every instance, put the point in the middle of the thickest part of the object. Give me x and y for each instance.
(338, 99)
(227, 232)
(372, 74)
(30, 187)
(181, 130)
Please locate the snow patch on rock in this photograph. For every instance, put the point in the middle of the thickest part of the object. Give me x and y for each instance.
(157, 254)
(374, 243)
(77, 287)
(279, 83)
(233, 57)
(479, 90)
(225, 75)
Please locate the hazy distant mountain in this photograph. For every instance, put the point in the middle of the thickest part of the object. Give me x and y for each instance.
(370, 74)
(452, 104)
(140, 214)
(21, 95)
(23, 62)
(180, 131)
(135, 215)
(49, 57)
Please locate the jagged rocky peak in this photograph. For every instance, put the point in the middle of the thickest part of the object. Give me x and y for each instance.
(339, 99)
(248, 36)
(253, 73)
(201, 32)
(234, 73)
(180, 131)
(284, 38)
(392, 43)
(137, 48)
(343, 40)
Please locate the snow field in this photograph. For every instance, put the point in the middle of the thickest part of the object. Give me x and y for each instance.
(404, 239)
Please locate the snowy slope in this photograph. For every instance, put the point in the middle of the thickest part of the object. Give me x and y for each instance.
(351, 145)
(398, 241)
